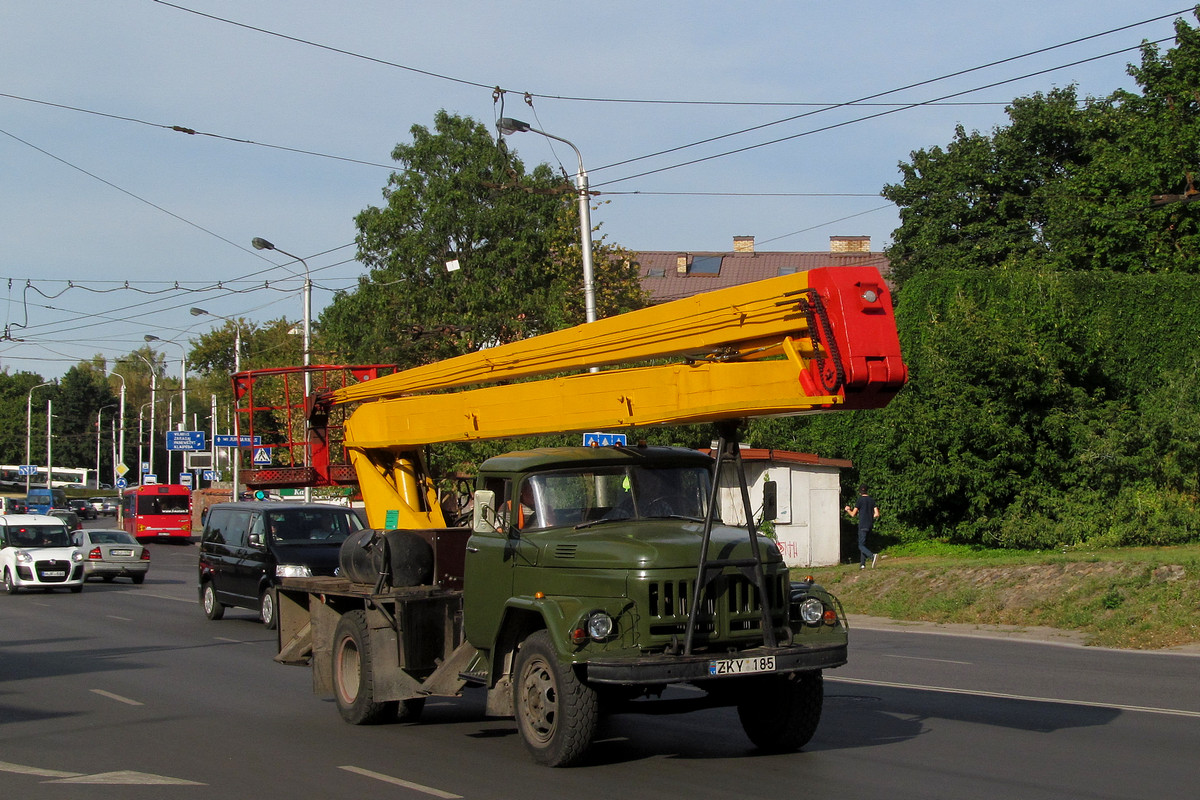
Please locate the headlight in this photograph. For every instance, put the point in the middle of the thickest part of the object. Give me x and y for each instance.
(24, 557)
(293, 571)
(599, 626)
(811, 610)
(76, 556)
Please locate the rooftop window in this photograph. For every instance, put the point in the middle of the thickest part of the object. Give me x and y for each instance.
(706, 265)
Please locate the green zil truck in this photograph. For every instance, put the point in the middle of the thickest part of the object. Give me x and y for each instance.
(586, 582)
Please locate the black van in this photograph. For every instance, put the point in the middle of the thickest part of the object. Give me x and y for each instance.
(246, 547)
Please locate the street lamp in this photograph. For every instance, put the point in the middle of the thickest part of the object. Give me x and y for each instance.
(28, 425)
(182, 386)
(153, 392)
(237, 367)
(508, 125)
(121, 453)
(263, 244)
(100, 427)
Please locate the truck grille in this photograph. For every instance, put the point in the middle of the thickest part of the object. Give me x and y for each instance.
(730, 609)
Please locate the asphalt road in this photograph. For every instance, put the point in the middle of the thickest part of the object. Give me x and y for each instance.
(128, 691)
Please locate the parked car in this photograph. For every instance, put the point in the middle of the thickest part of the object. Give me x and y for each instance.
(69, 517)
(111, 554)
(104, 506)
(36, 553)
(82, 508)
(246, 547)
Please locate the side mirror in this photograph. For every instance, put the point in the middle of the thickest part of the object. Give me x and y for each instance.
(770, 507)
(485, 512)
(256, 540)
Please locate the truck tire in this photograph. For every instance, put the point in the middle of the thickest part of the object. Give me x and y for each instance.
(209, 602)
(556, 712)
(780, 714)
(353, 673)
(267, 610)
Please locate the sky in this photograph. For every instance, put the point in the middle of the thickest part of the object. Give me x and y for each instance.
(696, 122)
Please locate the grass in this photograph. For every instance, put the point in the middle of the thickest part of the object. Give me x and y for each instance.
(1137, 598)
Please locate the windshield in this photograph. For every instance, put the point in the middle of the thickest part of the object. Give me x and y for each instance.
(585, 497)
(39, 536)
(308, 525)
(163, 504)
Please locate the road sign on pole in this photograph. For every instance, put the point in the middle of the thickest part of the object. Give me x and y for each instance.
(604, 440)
(186, 440)
(262, 455)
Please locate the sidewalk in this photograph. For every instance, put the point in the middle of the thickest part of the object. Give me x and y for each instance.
(1024, 632)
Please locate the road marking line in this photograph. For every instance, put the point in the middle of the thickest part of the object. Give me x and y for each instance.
(116, 697)
(233, 641)
(21, 769)
(398, 782)
(123, 619)
(128, 777)
(923, 658)
(1175, 712)
(159, 596)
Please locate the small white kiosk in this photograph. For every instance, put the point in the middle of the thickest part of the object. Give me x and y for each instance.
(808, 487)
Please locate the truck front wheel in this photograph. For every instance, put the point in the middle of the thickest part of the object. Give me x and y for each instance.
(556, 712)
(353, 673)
(781, 713)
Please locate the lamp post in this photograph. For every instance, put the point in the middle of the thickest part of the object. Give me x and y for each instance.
(99, 415)
(263, 244)
(28, 425)
(153, 392)
(121, 452)
(508, 125)
(237, 367)
(182, 390)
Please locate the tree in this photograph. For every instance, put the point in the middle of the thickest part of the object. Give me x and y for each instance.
(461, 197)
(84, 391)
(1064, 184)
(14, 403)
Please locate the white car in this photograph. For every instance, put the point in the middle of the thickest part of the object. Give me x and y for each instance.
(36, 553)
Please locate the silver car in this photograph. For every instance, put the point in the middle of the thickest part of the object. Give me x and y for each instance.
(110, 554)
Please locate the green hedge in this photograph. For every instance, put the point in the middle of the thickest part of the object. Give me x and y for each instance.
(1044, 409)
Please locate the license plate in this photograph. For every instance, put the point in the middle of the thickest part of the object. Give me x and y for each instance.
(126, 552)
(742, 666)
(54, 573)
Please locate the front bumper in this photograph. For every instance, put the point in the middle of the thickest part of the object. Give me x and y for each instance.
(662, 669)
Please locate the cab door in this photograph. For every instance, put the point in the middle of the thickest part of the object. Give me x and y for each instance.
(488, 567)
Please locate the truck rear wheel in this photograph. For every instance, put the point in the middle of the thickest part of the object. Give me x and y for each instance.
(556, 712)
(781, 714)
(353, 673)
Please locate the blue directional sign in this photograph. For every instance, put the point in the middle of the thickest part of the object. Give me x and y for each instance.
(186, 440)
(604, 440)
(27, 469)
(223, 440)
(208, 475)
(121, 484)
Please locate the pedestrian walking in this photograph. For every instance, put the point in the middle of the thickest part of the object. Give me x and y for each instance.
(866, 512)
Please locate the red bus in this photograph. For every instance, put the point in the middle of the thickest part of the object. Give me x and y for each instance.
(158, 510)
